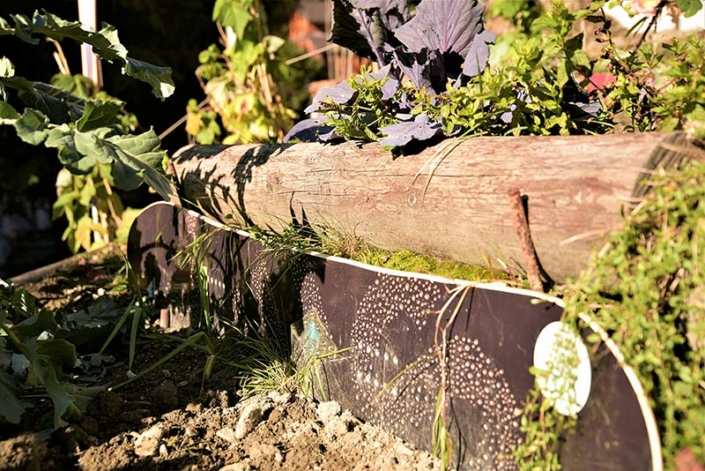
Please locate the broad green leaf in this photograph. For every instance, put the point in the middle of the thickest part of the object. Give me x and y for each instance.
(59, 353)
(77, 84)
(158, 77)
(8, 114)
(5, 27)
(41, 322)
(233, 13)
(98, 114)
(59, 105)
(31, 127)
(140, 144)
(689, 7)
(76, 162)
(59, 136)
(43, 372)
(21, 24)
(127, 176)
(11, 407)
(7, 69)
(105, 44)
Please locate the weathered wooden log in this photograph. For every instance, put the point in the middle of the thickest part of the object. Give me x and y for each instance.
(449, 200)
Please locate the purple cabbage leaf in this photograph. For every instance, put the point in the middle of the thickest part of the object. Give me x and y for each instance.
(454, 31)
(311, 130)
(341, 94)
(420, 129)
(365, 26)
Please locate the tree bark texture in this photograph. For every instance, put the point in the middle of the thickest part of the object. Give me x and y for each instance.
(449, 200)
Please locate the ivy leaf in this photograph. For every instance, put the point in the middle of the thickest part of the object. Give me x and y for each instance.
(233, 13)
(689, 7)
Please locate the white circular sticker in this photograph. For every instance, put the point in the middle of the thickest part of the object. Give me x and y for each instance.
(564, 374)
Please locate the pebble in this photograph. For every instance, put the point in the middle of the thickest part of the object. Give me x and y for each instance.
(236, 467)
(147, 443)
(327, 410)
(402, 449)
(280, 398)
(227, 434)
(252, 414)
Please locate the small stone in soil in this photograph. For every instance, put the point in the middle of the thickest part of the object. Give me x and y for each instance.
(236, 467)
(148, 442)
(327, 410)
(253, 411)
(227, 434)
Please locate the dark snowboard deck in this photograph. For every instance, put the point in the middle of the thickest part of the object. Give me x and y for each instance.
(380, 332)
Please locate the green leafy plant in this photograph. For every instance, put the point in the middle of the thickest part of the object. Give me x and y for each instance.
(87, 132)
(532, 90)
(645, 289)
(534, 83)
(38, 349)
(250, 87)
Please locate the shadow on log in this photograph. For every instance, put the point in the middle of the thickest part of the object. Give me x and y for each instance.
(448, 201)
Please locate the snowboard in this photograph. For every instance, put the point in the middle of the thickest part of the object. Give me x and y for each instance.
(387, 344)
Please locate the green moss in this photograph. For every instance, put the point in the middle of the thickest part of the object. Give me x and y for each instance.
(333, 240)
(406, 260)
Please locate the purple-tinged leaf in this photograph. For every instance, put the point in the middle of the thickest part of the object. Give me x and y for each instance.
(393, 13)
(381, 73)
(443, 25)
(362, 31)
(341, 94)
(328, 136)
(478, 53)
(390, 88)
(424, 69)
(308, 130)
(421, 129)
(452, 29)
(347, 29)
